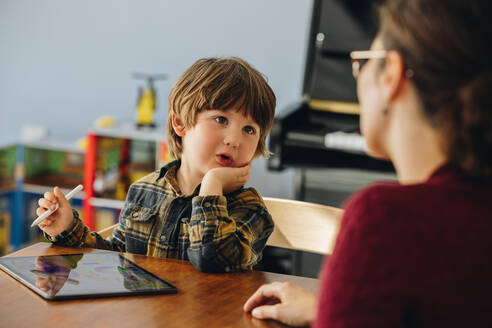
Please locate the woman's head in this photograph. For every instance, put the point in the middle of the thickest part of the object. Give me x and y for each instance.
(444, 46)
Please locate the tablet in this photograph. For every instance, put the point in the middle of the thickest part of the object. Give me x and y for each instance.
(95, 274)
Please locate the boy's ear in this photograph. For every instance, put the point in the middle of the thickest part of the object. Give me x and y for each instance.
(178, 125)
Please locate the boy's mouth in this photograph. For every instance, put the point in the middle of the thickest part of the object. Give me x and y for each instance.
(224, 159)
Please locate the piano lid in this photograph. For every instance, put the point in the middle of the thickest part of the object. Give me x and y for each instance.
(337, 27)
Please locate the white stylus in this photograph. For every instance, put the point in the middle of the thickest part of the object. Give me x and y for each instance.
(49, 212)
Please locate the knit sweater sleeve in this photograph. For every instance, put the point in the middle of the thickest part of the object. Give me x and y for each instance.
(360, 281)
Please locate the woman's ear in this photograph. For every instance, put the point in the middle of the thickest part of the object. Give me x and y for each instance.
(393, 77)
(178, 125)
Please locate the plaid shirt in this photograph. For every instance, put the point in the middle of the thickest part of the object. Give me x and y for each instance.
(216, 233)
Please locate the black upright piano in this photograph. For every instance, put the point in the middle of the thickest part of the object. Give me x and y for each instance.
(322, 129)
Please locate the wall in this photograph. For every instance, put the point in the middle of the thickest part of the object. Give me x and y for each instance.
(65, 63)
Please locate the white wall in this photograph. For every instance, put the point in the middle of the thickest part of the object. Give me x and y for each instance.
(65, 63)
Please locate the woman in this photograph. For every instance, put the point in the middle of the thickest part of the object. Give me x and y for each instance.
(417, 253)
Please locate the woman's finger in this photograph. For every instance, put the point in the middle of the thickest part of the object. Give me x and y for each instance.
(264, 294)
(267, 312)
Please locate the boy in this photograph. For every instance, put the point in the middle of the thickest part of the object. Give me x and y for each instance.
(194, 208)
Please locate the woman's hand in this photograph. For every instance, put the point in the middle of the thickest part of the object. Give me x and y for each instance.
(284, 302)
(61, 219)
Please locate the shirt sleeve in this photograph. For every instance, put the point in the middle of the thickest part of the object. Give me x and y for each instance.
(362, 281)
(228, 238)
(79, 235)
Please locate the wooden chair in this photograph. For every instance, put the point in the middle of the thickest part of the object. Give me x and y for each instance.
(299, 225)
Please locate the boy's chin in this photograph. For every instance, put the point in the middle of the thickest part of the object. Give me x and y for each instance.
(240, 165)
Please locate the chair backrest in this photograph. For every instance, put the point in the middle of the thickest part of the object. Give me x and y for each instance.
(106, 232)
(303, 226)
(298, 225)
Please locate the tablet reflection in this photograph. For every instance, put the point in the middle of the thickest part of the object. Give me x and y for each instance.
(52, 272)
(136, 279)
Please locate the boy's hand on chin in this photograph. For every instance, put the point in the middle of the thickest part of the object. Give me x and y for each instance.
(223, 180)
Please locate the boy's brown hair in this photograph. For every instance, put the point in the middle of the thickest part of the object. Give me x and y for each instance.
(220, 83)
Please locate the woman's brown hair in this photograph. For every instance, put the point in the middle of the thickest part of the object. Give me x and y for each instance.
(220, 83)
(446, 45)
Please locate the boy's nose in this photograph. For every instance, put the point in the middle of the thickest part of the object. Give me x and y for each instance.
(232, 139)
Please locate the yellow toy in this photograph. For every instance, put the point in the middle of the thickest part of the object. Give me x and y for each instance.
(147, 100)
(105, 122)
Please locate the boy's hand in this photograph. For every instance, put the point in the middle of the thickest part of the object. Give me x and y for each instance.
(222, 180)
(60, 220)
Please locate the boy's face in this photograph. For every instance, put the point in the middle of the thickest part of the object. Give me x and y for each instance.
(219, 139)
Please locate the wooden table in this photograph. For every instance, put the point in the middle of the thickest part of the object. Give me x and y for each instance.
(203, 299)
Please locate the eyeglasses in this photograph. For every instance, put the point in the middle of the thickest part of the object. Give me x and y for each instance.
(359, 58)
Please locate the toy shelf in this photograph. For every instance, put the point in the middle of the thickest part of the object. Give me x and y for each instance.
(27, 171)
(114, 159)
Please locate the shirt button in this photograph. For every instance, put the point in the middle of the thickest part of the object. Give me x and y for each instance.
(207, 204)
(163, 237)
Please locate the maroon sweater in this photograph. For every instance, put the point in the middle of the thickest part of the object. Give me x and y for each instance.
(412, 256)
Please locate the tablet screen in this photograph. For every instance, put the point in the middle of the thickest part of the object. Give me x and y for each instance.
(84, 275)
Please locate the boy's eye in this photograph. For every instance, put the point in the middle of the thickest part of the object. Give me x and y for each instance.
(249, 129)
(221, 120)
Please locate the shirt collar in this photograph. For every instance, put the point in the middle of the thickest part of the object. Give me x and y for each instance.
(174, 164)
(170, 173)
